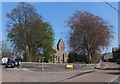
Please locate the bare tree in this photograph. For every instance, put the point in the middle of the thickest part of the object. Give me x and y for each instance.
(89, 34)
(5, 49)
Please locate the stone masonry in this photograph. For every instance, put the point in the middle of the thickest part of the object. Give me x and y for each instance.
(60, 55)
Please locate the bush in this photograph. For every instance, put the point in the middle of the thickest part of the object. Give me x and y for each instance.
(18, 58)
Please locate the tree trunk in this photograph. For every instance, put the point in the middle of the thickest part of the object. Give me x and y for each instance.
(89, 57)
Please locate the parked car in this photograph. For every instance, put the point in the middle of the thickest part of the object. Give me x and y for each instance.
(17, 63)
(12, 64)
(4, 60)
(118, 61)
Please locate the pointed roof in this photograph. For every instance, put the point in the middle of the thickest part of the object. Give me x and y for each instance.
(59, 43)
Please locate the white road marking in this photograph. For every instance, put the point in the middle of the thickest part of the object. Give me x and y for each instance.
(114, 78)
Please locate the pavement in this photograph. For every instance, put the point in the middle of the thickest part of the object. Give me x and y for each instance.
(109, 74)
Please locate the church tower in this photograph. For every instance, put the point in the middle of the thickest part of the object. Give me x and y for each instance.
(60, 55)
(60, 48)
(61, 45)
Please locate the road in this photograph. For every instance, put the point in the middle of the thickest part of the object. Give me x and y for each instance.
(0, 74)
(18, 75)
(109, 74)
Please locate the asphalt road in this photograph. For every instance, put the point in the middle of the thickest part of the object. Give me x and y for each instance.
(0, 74)
(109, 74)
(19, 75)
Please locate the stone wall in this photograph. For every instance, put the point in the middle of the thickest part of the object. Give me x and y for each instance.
(56, 66)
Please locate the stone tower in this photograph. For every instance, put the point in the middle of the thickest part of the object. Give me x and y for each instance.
(60, 55)
(60, 48)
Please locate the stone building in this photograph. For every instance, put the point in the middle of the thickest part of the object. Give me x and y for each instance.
(116, 53)
(60, 55)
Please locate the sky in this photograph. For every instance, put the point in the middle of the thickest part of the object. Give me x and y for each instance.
(119, 25)
(56, 13)
(0, 26)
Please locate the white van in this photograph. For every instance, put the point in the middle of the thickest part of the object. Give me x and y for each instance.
(4, 60)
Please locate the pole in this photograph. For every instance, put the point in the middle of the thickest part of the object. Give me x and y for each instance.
(43, 63)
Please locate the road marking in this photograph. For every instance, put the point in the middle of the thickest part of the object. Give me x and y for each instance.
(17, 69)
(114, 78)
